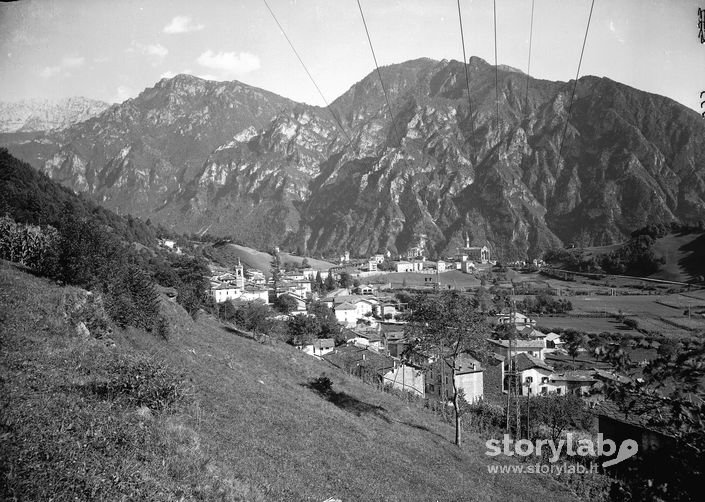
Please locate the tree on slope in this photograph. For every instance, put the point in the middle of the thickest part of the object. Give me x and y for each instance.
(443, 326)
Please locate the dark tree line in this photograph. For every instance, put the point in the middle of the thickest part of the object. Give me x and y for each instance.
(66, 238)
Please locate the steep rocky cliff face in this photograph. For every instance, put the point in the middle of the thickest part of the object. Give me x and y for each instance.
(628, 158)
(33, 115)
(235, 160)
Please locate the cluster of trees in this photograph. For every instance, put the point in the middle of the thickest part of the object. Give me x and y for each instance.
(323, 286)
(496, 299)
(658, 230)
(636, 257)
(186, 274)
(544, 303)
(259, 318)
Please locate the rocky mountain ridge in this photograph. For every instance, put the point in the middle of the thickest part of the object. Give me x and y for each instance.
(234, 160)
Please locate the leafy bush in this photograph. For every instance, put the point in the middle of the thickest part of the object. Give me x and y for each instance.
(322, 384)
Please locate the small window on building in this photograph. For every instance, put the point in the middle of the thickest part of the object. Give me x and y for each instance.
(558, 390)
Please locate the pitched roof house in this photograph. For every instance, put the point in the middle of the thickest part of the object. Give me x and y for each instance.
(532, 347)
(319, 347)
(534, 374)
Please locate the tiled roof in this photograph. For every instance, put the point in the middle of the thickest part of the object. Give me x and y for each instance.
(582, 360)
(345, 306)
(552, 336)
(574, 376)
(607, 375)
(465, 363)
(525, 361)
(372, 336)
(519, 344)
(530, 332)
(648, 412)
(220, 287)
(345, 357)
(324, 343)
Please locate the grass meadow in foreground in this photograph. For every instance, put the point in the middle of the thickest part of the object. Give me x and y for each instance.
(209, 415)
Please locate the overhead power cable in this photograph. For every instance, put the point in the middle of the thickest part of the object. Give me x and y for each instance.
(467, 75)
(335, 117)
(575, 85)
(496, 66)
(528, 64)
(379, 74)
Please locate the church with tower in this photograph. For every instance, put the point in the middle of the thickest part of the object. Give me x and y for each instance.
(473, 253)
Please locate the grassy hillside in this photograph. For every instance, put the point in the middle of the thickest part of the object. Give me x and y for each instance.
(684, 255)
(228, 254)
(246, 428)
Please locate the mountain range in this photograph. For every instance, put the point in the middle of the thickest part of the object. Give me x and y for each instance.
(32, 115)
(234, 160)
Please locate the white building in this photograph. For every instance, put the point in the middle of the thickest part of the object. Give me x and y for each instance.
(467, 267)
(319, 348)
(409, 266)
(468, 377)
(349, 312)
(222, 293)
(405, 378)
(534, 375)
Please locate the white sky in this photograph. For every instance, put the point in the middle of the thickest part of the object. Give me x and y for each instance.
(113, 49)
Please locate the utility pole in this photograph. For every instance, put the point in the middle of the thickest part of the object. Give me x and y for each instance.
(510, 369)
(528, 410)
(509, 381)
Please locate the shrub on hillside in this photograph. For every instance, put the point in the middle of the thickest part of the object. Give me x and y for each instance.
(322, 384)
(631, 323)
(133, 299)
(140, 381)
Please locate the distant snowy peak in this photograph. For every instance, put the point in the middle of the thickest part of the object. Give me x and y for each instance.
(32, 115)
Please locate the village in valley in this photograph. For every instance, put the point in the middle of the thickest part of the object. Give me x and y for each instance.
(369, 297)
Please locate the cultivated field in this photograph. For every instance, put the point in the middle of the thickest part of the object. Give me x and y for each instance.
(666, 314)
